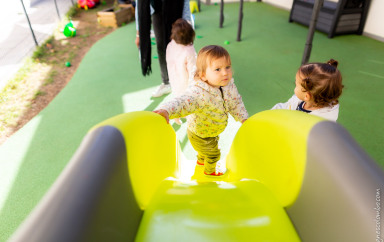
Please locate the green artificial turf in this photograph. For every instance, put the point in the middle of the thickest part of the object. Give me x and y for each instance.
(109, 82)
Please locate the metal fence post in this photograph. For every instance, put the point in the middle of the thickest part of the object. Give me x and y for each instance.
(57, 10)
(240, 21)
(311, 31)
(29, 23)
(221, 13)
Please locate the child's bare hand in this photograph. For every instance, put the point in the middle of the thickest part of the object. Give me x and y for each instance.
(163, 113)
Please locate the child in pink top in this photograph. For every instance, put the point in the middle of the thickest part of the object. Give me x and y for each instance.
(181, 57)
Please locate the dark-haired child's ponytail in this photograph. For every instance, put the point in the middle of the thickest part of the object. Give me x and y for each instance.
(333, 63)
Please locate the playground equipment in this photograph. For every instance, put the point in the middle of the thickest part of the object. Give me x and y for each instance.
(335, 18)
(86, 4)
(291, 177)
(193, 6)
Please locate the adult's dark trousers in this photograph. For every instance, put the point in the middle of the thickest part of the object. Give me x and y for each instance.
(157, 23)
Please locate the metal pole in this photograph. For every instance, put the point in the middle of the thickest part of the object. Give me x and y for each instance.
(72, 2)
(311, 31)
(240, 21)
(57, 10)
(29, 23)
(221, 13)
(198, 5)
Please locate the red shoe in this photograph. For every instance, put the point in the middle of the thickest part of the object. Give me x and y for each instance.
(214, 174)
(199, 163)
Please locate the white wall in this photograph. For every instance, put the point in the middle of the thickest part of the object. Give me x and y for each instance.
(373, 25)
(375, 20)
(285, 4)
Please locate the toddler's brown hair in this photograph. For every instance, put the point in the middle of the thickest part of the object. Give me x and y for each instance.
(208, 54)
(323, 81)
(182, 32)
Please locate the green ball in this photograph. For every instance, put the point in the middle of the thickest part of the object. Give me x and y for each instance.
(226, 42)
(67, 64)
(70, 24)
(69, 30)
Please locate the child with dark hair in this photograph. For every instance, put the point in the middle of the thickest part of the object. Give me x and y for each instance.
(318, 88)
(181, 57)
(207, 102)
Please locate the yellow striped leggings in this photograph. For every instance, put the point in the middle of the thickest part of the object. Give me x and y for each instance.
(207, 150)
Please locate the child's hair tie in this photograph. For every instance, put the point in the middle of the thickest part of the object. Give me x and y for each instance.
(333, 63)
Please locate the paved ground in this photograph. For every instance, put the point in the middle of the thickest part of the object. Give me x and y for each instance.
(16, 39)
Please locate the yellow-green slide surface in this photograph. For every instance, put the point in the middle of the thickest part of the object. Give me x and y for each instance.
(247, 203)
(215, 211)
(290, 177)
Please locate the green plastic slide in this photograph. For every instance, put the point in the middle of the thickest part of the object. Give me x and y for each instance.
(290, 177)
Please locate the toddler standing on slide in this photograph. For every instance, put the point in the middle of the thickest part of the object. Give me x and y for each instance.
(206, 103)
(181, 57)
(317, 92)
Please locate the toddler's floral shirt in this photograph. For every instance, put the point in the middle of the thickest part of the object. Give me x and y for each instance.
(207, 107)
